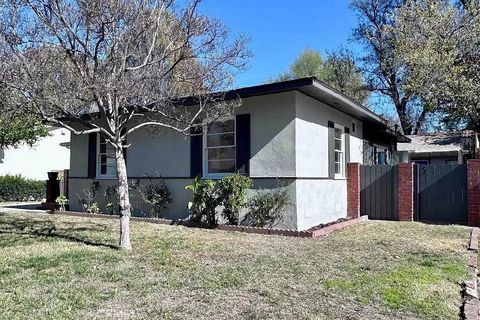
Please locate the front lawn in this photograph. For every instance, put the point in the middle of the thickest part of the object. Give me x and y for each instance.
(60, 267)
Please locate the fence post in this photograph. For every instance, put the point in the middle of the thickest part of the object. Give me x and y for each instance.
(473, 192)
(405, 191)
(353, 190)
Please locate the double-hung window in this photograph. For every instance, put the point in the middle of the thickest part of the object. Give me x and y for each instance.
(219, 149)
(106, 162)
(339, 151)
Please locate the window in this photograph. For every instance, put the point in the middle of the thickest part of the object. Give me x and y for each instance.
(382, 155)
(339, 160)
(354, 127)
(219, 149)
(106, 162)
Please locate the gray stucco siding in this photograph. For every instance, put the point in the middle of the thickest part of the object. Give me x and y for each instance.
(272, 132)
(163, 153)
(78, 155)
(311, 140)
(320, 201)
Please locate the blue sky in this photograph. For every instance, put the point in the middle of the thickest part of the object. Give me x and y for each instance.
(281, 29)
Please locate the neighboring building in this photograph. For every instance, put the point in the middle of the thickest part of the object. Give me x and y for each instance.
(298, 133)
(48, 154)
(441, 148)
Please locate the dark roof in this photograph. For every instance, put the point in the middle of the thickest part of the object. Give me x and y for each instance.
(316, 89)
(311, 86)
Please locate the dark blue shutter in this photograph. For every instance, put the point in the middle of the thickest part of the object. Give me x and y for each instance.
(243, 144)
(347, 145)
(331, 149)
(196, 152)
(92, 155)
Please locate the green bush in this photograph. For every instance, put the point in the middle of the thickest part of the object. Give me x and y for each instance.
(17, 188)
(157, 196)
(205, 200)
(232, 194)
(266, 208)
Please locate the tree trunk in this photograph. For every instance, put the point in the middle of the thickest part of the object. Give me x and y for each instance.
(124, 199)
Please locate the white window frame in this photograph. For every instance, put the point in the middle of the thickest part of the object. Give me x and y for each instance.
(98, 163)
(218, 175)
(341, 174)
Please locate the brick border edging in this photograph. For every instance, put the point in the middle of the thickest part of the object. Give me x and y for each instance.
(471, 304)
(265, 231)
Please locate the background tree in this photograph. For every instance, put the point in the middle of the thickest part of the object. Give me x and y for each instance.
(386, 74)
(113, 67)
(339, 70)
(17, 128)
(343, 74)
(438, 41)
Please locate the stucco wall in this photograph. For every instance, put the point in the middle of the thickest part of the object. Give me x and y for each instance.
(272, 121)
(311, 136)
(320, 201)
(79, 156)
(34, 162)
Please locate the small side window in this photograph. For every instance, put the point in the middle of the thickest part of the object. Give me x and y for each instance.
(354, 127)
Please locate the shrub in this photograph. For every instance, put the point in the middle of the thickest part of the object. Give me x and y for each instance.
(232, 195)
(157, 196)
(111, 198)
(88, 202)
(205, 200)
(61, 201)
(17, 188)
(266, 208)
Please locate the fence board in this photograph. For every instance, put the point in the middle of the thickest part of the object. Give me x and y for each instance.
(378, 195)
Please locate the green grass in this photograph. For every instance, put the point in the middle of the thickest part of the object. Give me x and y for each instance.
(57, 267)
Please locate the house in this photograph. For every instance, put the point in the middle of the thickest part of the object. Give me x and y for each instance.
(299, 134)
(50, 153)
(441, 148)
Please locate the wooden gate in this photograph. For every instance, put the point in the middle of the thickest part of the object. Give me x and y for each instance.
(378, 192)
(442, 193)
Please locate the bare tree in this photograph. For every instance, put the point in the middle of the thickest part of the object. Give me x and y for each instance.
(112, 67)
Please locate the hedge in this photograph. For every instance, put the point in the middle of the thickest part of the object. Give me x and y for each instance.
(17, 188)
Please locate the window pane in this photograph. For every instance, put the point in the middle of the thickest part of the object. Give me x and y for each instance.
(103, 169)
(221, 140)
(337, 157)
(219, 127)
(227, 166)
(338, 133)
(337, 168)
(221, 153)
(103, 148)
(111, 161)
(103, 159)
(111, 171)
(338, 144)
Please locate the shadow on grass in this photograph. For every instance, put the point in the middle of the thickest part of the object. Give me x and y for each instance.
(45, 228)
